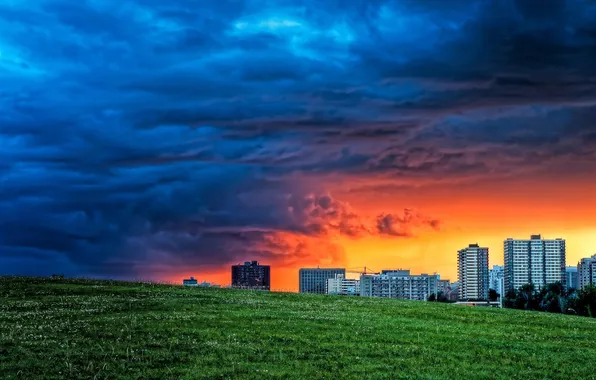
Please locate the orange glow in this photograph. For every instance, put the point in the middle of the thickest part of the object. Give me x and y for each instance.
(483, 213)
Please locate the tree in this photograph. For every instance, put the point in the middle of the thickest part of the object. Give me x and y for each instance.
(439, 297)
(527, 298)
(552, 298)
(493, 295)
(570, 306)
(510, 298)
(586, 301)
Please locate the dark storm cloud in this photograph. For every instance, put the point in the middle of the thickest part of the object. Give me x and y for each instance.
(186, 131)
(402, 225)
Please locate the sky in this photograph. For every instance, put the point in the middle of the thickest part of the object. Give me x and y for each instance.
(161, 139)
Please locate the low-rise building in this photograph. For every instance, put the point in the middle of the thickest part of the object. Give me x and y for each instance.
(206, 284)
(343, 286)
(314, 280)
(443, 286)
(399, 284)
(572, 278)
(453, 291)
(190, 282)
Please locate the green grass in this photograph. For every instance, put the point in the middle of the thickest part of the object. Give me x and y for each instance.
(100, 329)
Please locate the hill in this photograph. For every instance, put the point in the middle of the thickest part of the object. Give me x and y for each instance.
(106, 329)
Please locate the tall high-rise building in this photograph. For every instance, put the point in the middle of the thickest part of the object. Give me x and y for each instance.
(314, 280)
(251, 275)
(586, 271)
(399, 284)
(473, 273)
(572, 278)
(343, 286)
(535, 260)
(496, 279)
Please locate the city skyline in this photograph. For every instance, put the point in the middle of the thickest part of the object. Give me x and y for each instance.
(159, 141)
(492, 264)
(494, 273)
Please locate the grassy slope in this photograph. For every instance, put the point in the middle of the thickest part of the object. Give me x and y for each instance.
(106, 329)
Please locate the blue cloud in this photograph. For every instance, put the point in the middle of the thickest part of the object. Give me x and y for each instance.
(135, 130)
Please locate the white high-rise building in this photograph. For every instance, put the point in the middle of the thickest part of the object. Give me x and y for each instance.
(473, 273)
(342, 285)
(496, 279)
(535, 260)
(586, 271)
(399, 284)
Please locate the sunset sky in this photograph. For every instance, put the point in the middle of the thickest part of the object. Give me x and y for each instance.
(162, 139)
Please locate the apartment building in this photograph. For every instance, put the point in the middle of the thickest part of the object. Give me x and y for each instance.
(314, 280)
(343, 286)
(398, 284)
(251, 275)
(473, 273)
(496, 279)
(536, 260)
(586, 271)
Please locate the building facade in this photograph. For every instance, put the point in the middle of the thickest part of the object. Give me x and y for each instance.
(572, 278)
(586, 271)
(314, 280)
(473, 273)
(399, 284)
(496, 279)
(453, 291)
(535, 260)
(443, 286)
(343, 286)
(251, 275)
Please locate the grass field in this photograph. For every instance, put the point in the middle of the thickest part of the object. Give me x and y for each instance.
(98, 329)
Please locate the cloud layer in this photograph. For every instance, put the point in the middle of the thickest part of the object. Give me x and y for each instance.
(202, 133)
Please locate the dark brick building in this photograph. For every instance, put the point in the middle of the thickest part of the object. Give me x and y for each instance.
(251, 275)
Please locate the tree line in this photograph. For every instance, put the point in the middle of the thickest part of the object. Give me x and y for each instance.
(553, 298)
